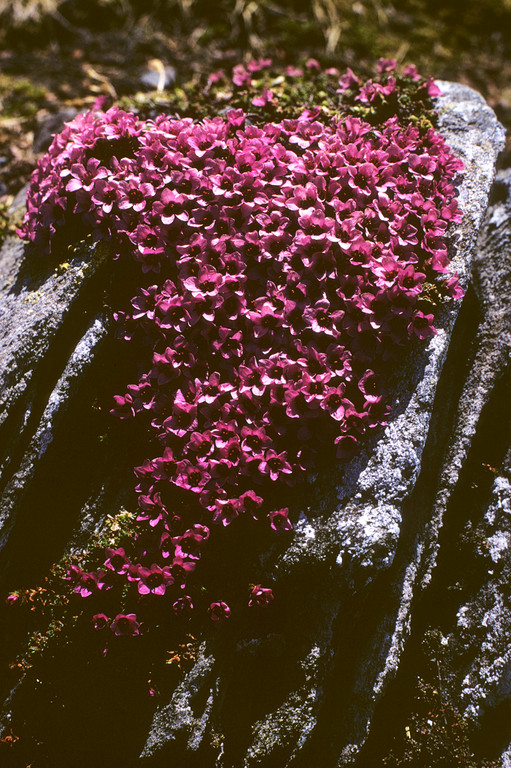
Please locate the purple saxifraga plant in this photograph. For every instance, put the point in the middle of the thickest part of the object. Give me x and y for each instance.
(281, 268)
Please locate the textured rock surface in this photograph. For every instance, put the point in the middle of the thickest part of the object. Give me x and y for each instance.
(477, 648)
(369, 544)
(52, 330)
(462, 607)
(368, 536)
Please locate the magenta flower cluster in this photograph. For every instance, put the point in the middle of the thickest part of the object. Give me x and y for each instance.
(283, 268)
(384, 86)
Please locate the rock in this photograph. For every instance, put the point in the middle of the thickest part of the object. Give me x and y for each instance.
(49, 335)
(464, 608)
(362, 548)
(307, 689)
(477, 656)
(157, 76)
(50, 124)
(54, 346)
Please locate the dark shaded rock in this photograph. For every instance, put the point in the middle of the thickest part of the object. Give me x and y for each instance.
(50, 331)
(49, 125)
(476, 503)
(463, 606)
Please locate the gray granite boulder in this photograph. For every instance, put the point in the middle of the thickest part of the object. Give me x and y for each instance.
(307, 690)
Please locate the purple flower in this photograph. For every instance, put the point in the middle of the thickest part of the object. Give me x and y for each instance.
(171, 206)
(116, 560)
(201, 443)
(12, 598)
(260, 596)
(188, 545)
(265, 98)
(411, 71)
(322, 318)
(183, 605)
(224, 432)
(151, 509)
(250, 504)
(303, 198)
(279, 520)
(219, 611)
(229, 343)
(251, 379)
(275, 464)
(258, 64)
(87, 583)
(145, 303)
(334, 402)
(297, 405)
(221, 471)
(83, 176)
(123, 406)
(100, 621)
(181, 568)
(176, 357)
(371, 387)
(125, 625)
(212, 388)
(148, 240)
(104, 193)
(254, 440)
(134, 195)
(421, 325)
(165, 467)
(192, 476)
(316, 224)
(206, 283)
(232, 451)
(183, 419)
(172, 313)
(226, 510)
(348, 81)
(240, 76)
(154, 580)
(265, 318)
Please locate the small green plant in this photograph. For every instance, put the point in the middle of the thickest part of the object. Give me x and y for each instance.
(19, 98)
(54, 601)
(6, 225)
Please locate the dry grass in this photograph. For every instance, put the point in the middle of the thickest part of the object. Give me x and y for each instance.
(21, 12)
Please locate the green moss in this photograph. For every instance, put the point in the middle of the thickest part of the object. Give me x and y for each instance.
(10, 220)
(19, 98)
(53, 601)
(199, 98)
